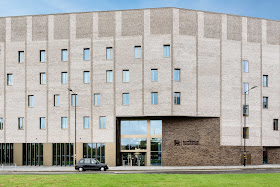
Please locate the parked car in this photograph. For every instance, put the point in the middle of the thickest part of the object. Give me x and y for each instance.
(90, 164)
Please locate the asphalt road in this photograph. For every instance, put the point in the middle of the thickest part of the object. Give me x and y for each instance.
(229, 171)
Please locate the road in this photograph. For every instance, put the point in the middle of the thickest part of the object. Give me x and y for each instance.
(228, 171)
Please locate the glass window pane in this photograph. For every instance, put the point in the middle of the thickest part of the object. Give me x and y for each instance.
(156, 144)
(125, 144)
(133, 127)
(156, 127)
(155, 158)
(124, 127)
(245, 88)
(133, 143)
(87, 54)
(97, 99)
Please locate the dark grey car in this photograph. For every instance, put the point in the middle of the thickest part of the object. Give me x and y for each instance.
(90, 164)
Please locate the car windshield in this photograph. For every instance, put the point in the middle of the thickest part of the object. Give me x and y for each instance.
(97, 161)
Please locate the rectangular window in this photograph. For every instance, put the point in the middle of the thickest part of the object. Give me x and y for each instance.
(245, 88)
(74, 100)
(109, 53)
(177, 98)
(137, 52)
(275, 124)
(20, 123)
(177, 75)
(154, 98)
(102, 122)
(64, 122)
(1, 123)
(42, 78)
(64, 55)
(86, 122)
(265, 80)
(86, 54)
(10, 79)
(245, 66)
(265, 102)
(56, 100)
(125, 75)
(166, 51)
(109, 76)
(42, 56)
(21, 56)
(86, 77)
(43, 123)
(97, 99)
(125, 99)
(154, 75)
(31, 101)
(64, 78)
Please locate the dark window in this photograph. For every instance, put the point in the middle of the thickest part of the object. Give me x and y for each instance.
(275, 124)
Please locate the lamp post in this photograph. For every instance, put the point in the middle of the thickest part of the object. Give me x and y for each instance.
(70, 90)
(244, 156)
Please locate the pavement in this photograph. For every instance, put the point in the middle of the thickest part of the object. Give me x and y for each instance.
(131, 169)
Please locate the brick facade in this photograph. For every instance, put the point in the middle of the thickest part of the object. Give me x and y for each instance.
(206, 133)
(273, 155)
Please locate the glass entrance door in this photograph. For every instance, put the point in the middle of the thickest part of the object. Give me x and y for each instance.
(133, 159)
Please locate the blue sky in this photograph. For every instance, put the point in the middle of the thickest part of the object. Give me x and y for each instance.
(268, 9)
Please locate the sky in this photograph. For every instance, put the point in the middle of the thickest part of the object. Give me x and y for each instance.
(268, 9)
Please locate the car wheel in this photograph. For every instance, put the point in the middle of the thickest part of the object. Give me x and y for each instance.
(81, 169)
(102, 169)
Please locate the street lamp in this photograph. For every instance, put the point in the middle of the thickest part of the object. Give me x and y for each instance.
(70, 90)
(244, 137)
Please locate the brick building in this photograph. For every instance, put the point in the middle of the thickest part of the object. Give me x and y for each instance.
(153, 87)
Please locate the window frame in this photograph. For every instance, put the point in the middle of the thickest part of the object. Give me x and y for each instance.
(56, 101)
(109, 53)
(245, 67)
(137, 52)
(110, 77)
(102, 125)
(73, 101)
(243, 88)
(176, 98)
(126, 95)
(1, 123)
(265, 83)
(153, 75)
(10, 79)
(21, 58)
(86, 54)
(125, 75)
(154, 97)
(20, 126)
(43, 56)
(64, 119)
(275, 125)
(63, 51)
(86, 122)
(43, 78)
(166, 51)
(30, 101)
(86, 77)
(96, 99)
(63, 77)
(178, 77)
(265, 106)
(42, 125)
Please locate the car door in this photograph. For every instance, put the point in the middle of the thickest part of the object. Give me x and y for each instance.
(94, 164)
(87, 164)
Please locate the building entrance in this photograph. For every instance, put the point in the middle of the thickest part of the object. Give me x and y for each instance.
(133, 159)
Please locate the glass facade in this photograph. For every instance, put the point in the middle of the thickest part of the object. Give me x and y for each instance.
(94, 150)
(133, 127)
(156, 127)
(32, 154)
(6, 153)
(63, 154)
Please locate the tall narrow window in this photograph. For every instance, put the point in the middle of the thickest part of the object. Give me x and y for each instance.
(86, 54)
(20, 123)
(125, 75)
(109, 53)
(109, 76)
(74, 100)
(154, 98)
(177, 98)
(137, 52)
(64, 122)
(154, 75)
(245, 88)
(57, 100)
(265, 80)
(102, 122)
(265, 102)
(1, 123)
(86, 122)
(177, 75)
(166, 51)
(245, 66)
(125, 99)
(64, 55)
(275, 124)
(246, 110)
(21, 56)
(97, 99)
(42, 78)
(10, 79)
(42, 123)
(42, 56)
(64, 78)
(86, 77)
(31, 101)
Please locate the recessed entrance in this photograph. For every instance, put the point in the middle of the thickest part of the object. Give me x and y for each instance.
(133, 159)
